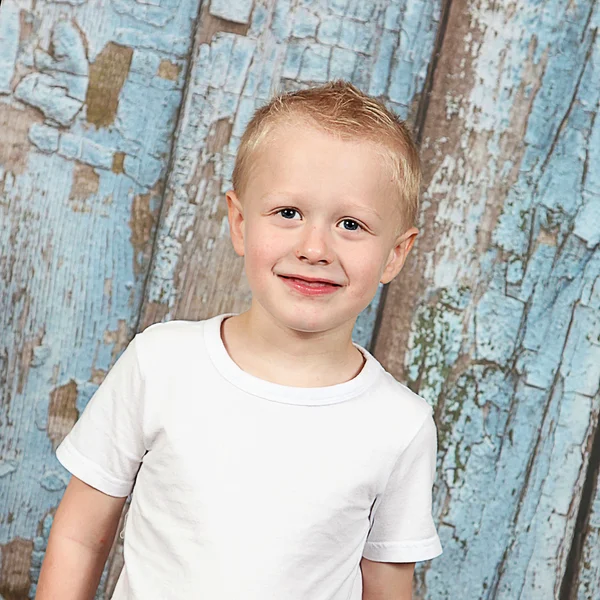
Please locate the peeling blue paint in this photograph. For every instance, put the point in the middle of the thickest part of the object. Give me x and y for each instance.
(59, 88)
(329, 30)
(54, 481)
(78, 301)
(342, 64)
(315, 64)
(293, 59)
(44, 137)
(513, 448)
(237, 11)
(9, 42)
(524, 311)
(7, 467)
(305, 23)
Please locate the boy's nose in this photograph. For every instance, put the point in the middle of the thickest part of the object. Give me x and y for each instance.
(314, 247)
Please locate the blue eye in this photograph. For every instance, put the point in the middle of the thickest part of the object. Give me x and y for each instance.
(351, 225)
(288, 213)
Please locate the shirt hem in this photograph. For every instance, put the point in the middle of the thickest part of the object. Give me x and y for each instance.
(86, 470)
(403, 551)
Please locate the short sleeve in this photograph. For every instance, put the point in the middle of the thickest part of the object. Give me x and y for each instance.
(402, 529)
(105, 447)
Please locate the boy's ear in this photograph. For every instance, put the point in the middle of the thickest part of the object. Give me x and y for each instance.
(398, 254)
(235, 216)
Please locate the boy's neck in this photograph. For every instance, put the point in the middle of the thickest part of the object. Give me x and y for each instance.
(266, 349)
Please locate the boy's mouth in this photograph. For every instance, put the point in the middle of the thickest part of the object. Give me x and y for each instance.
(309, 286)
(310, 281)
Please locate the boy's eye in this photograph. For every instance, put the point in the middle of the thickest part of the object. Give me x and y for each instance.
(351, 225)
(288, 213)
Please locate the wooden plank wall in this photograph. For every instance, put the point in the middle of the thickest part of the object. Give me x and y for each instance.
(119, 124)
(89, 104)
(496, 320)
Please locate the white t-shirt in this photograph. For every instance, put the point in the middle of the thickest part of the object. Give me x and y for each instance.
(251, 490)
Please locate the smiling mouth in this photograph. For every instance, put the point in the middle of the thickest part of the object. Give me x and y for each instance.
(317, 283)
(310, 287)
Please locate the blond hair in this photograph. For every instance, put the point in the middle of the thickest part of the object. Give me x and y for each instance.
(340, 109)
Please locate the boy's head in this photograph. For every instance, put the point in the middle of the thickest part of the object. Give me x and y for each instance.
(342, 110)
(325, 197)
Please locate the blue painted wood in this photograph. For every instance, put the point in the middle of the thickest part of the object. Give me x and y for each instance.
(588, 567)
(89, 95)
(496, 318)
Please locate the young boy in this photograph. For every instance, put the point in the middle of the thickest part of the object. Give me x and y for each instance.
(272, 457)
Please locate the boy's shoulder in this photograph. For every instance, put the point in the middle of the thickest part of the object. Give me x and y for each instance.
(174, 328)
(169, 340)
(400, 398)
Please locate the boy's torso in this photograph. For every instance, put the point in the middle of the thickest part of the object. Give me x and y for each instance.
(243, 496)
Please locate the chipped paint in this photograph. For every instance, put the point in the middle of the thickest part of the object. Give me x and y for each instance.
(87, 123)
(25, 26)
(107, 76)
(62, 412)
(494, 319)
(169, 70)
(10, 25)
(141, 224)
(118, 338)
(97, 376)
(238, 12)
(59, 86)
(118, 163)
(506, 158)
(15, 123)
(40, 543)
(86, 182)
(15, 559)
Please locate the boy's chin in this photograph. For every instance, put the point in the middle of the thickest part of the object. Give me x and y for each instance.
(314, 321)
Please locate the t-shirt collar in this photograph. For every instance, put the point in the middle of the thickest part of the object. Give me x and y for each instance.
(312, 396)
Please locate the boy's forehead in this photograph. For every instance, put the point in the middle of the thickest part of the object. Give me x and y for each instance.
(302, 166)
(309, 143)
(294, 127)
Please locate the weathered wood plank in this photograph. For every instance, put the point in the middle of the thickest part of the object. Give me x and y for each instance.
(89, 94)
(495, 319)
(585, 581)
(383, 46)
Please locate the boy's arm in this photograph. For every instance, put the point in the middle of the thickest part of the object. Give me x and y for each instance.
(386, 581)
(80, 540)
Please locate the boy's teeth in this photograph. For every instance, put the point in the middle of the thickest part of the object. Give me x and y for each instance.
(312, 283)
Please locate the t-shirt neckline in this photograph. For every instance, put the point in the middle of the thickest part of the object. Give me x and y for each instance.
(268, 390)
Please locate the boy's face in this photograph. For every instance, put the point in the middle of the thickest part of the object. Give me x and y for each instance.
(317, 208)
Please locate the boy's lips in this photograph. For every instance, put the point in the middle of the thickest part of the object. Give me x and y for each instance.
(309, 279)
(310, 286)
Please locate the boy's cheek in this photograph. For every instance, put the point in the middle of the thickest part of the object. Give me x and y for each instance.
(370, 263)
(258, 262)
(263, 246)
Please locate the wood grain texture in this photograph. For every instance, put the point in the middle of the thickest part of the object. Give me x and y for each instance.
(89, 94)
(495, 318)
(382, 46)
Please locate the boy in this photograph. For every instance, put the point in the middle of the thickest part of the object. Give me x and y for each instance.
(272, 457)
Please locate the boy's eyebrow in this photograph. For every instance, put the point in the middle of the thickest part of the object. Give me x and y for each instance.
(365, 208)
(275, 195)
